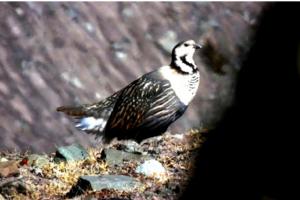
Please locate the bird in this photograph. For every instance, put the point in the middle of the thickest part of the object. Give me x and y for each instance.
(147, 106)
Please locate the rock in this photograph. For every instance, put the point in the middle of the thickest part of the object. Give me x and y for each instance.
(75, 81)
(9, 168)
(168, 40)
(3, 159)
(122, 45)
(97, 183)
(89, 27)
(74, 152)
(38, 160)
(151, 168)
(178, 136)
(117, 157)
(131, 146)
(37, 171)
(12, 186)
(127, 12)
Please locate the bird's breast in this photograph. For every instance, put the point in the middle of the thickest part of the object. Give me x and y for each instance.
(184, 85)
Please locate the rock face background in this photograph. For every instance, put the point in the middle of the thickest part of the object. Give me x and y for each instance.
(54, 54)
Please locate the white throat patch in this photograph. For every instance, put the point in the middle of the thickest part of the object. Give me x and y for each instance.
(184, 59)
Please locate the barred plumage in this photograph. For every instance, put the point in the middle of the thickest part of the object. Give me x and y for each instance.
(148, 105)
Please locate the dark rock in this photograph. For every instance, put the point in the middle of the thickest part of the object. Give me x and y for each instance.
(58, 42)
(9, 168)
(74, 152)
(117, 157)
(12, 186)
(97, 183)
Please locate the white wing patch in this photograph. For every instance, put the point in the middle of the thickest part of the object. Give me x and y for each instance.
(91, 123)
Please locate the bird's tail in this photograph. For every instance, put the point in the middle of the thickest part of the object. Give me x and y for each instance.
(72, 111)
(84, 120)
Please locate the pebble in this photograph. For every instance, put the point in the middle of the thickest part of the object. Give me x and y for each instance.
(151, 168)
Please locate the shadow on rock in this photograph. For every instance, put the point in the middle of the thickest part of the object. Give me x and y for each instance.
(250, 154)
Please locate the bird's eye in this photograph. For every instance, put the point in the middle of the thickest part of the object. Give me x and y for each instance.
(186, 45)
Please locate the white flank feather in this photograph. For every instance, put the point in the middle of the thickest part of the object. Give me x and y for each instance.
(91, 123)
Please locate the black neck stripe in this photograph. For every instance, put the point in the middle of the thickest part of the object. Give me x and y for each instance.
(183, 59)
(177, 68)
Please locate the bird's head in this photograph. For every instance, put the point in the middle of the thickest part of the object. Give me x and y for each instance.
(182, 56)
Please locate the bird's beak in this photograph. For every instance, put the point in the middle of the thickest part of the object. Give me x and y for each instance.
(197, 46)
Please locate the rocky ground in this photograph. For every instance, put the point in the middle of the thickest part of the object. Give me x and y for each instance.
(159, 168)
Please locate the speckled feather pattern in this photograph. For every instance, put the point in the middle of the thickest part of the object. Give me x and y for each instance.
(143, 108)
(148, 105)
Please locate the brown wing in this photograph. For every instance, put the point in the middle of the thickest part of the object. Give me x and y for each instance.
(145, 104)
